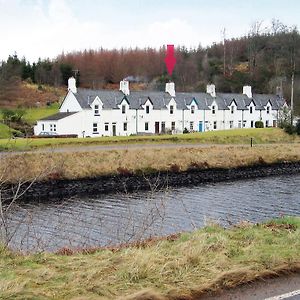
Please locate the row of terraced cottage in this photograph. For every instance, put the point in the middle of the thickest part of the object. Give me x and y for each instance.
(93, 113)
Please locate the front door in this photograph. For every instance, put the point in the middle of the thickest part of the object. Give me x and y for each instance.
(274, 123)
(114, 129)
(200, 126)
(157, 127)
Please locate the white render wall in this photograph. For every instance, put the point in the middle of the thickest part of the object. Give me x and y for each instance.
(111, 122)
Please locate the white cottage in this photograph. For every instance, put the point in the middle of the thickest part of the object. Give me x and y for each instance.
(94, 113)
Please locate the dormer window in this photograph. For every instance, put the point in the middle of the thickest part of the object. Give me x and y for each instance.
(123, 109)
(96, 110)
(213, 109)
(147, 109)
(171, 109)
(251, 109)
(268, 109)
(232, 109)
(193, 109)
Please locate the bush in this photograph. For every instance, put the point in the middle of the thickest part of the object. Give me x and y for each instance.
(259, 124)
(10, 115)
(298, 127)
(290, 129)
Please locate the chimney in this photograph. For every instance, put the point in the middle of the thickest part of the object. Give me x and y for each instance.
(72, 85)
(170, 88)
(124, 87)
(211, 89)
(247, 90)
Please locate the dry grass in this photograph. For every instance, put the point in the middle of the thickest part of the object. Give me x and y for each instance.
(205, 260)
(90, 164)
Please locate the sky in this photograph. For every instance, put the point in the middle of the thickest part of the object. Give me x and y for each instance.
(46, 28)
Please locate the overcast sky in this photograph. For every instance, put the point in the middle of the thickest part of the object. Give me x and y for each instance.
(45, 28)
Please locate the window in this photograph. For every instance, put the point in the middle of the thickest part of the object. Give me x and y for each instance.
(213, 108)
(232, 109)
(147, 109)
(43, 127)
(240, 124)
(193, 109)
(125, 126)
(267, 123)
(106, 126)
(215, 124)
(252, 124)
(171, 110)
(244, 124)
(146, 126)
(95, 128)
(52, 127)
(173, 126)
(96, 110)
(231, 124)
(191, 125)
(268, 109)
(123, 109)
(251, 109)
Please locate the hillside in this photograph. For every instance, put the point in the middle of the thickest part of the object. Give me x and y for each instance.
(28, 95)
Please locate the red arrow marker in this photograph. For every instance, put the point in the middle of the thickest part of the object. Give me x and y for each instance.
(170, 59)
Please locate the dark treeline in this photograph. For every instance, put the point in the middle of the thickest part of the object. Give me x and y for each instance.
(265, 59)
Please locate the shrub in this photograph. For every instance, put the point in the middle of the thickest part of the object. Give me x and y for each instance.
(10, 115)
(259, 124)
(298, 127)
(290, 129)
(185, 130)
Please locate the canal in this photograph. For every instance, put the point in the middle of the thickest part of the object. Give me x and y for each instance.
(116, 218)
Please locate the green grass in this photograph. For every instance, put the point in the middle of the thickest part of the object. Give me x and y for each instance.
(34, 114)
(186, 265)
(237, 136)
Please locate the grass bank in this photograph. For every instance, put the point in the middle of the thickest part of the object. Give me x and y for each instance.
(236, 136)
(68, 165)
(181, 267)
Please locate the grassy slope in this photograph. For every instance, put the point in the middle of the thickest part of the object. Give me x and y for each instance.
(237, 136)
(207, 259)
(97, 163)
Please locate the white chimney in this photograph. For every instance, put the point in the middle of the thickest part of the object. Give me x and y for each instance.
(170, 88)
(211, 89)
(247, 91)
(124, 87)
(72, 85)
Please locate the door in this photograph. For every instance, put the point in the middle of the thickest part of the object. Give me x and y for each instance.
(114, 129)
(274, 123)
(200, 126)
(163, 127)
(157, 127)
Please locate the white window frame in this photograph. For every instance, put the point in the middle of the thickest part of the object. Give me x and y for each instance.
(146, 126)
(213, 109)
(123, 109)
(106, 126)
(192, 109)
(147, 109)
(215, 125)
(125, 126)
(173, 125)
(192, 125)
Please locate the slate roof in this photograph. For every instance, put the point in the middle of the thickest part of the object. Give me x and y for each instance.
(58, 116)
(160, 100)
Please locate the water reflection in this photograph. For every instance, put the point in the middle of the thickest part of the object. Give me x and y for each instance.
(111, 219)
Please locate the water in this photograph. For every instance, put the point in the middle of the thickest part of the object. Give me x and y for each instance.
(111, 219)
